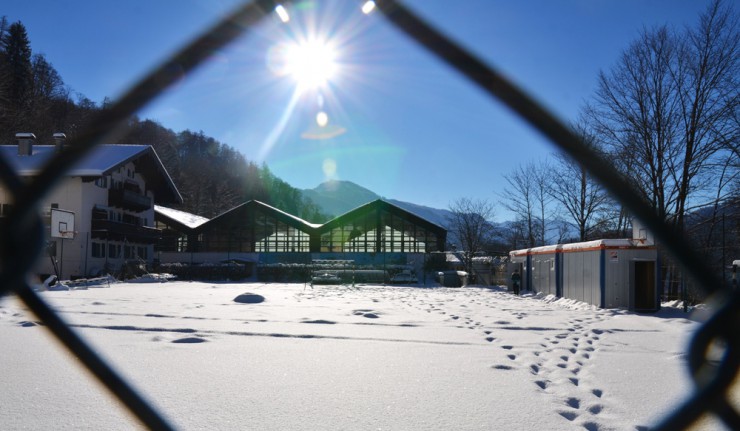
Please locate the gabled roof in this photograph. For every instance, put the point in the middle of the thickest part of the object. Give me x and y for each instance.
(100, 161)
(185, 219)
(380, 204)
(286, 218)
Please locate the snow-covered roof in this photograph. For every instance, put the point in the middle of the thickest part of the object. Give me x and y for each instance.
(600, 243)
(100, 161)
(582, 246)
(185, 218)
(452, 258)
(484, 259)
(254, 203)
(296, 218)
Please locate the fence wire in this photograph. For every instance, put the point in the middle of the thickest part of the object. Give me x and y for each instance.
(23, 230)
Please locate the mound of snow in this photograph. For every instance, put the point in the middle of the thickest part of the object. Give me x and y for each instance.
(249, 298)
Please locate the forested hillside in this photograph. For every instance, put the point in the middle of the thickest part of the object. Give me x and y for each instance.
(211, 176)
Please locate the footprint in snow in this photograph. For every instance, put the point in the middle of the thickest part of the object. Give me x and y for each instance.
(27, 324)
(571, 416)
(320, 321)
(595, 409)
(189, 340)
(503, 367)
(370, 314)
(573, 403)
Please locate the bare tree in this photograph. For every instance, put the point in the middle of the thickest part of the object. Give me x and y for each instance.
(582, 198)
(707, 73)
(541, 181)
(670, 106)
(46, 96)
(470, 221)
(521, 199)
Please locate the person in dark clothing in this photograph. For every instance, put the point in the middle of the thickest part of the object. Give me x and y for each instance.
(516, 279)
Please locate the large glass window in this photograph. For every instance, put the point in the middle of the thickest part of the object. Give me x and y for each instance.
(373, 232)
(257, 231)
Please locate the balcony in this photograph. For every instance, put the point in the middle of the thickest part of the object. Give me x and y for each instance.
(130, 200)
(117, 231)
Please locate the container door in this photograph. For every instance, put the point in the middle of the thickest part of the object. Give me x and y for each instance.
(646, 298)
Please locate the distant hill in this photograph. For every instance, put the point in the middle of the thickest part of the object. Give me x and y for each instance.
(435, 215)
(338, 197)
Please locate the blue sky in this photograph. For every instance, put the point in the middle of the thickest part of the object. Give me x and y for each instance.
(412, 129)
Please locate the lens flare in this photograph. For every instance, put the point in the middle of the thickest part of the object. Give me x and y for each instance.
(322, 119)
(368, 7)
(282, 13)
(330, 168)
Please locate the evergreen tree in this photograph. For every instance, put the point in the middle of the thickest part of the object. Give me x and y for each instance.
(17, 66)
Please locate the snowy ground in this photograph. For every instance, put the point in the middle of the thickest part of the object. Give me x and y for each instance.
(334, 357)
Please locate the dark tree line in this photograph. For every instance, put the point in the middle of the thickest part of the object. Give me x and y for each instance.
(212, 176)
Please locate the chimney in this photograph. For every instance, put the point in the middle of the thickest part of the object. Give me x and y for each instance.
(59, 139)
(25, 143)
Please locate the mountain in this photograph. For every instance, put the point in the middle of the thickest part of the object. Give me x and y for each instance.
(435, 215)
(338, 197)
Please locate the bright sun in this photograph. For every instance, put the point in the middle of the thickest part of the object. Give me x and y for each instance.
(311, 63)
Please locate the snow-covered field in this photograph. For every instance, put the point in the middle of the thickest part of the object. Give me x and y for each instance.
(336, 357)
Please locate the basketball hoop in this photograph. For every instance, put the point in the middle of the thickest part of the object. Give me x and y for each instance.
(67, 234)
(62, 224)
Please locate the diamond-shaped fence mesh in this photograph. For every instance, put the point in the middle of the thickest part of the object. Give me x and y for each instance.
(24, 238)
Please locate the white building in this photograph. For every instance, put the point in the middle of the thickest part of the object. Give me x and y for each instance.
(608, 273)
(111, 193)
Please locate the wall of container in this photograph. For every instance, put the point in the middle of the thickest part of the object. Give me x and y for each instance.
(545, 270)
(618, 273)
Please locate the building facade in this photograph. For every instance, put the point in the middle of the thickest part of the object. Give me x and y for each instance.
(109, 195)
(377, 232)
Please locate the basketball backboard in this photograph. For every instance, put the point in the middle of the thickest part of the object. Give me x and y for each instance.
(62, 224)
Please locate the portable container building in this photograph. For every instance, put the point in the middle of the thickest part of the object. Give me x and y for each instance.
(608, 273)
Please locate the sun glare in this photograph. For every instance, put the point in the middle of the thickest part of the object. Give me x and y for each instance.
(368, 7)
(311, 63)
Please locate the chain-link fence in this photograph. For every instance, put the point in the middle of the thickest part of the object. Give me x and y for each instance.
(23, 230)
